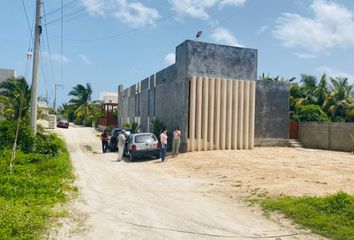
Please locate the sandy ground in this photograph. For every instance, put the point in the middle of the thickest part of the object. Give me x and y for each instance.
(194, 196)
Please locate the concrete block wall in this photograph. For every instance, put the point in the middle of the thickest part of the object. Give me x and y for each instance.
(272, 113)
(329, 136)
(165, 95)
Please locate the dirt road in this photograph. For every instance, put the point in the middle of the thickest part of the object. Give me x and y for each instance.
(151, 200)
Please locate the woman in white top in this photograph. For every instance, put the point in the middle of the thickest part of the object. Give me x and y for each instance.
(176, 141)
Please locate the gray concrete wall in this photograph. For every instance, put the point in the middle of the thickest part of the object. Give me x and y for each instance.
(330, 136)
(169, 100)
(6, 73)
(272, 113)
(210, 60)
(214, 60)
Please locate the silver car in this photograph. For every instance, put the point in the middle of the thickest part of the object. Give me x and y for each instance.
(142, 144)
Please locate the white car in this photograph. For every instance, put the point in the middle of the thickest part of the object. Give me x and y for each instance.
(142, 144)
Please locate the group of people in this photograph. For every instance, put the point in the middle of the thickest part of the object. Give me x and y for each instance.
(175, 143)
(163, 140)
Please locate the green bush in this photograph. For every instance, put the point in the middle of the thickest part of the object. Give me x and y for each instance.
(28, 196)
(309, 113)
(46, 144)
(8, 133)
(331, 216)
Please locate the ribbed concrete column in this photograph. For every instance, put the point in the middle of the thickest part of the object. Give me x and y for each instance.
(192, 112)
(240, 114)
(217, 113)
(252, 113)
(229, 114)
(211, 113)
(205, 112)
(234, 113)
(223, 113)
(246, 119)
(199, 112)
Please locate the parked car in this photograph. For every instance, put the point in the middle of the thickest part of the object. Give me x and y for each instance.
(62, 123)
(142, 144)
(113, 141)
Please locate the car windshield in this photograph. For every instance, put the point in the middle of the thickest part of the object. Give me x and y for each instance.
(145, 138)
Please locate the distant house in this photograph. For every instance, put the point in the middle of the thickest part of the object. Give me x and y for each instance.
(6, 73)
(108, 109)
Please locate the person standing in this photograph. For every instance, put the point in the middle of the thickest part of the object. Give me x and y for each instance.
(104, 139)
(121, 144)
(163, 141)
(176, 142)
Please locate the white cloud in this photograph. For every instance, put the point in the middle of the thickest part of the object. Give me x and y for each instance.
(222, 35)
(55, 57)
(235, 3)
(94, 7)
(136, 14)
(198, 8)
(85, 59)
(305, 55)
(332, 25)
(262, 29)
(335, 73)
(170, 58)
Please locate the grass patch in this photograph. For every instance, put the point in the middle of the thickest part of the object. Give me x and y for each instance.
(28, 196)
(331, 216)
(88, 148)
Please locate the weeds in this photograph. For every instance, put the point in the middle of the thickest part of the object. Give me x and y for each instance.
(331, 216)
(27, 196)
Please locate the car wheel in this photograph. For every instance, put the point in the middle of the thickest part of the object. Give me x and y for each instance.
(157, 156)
(131, 158)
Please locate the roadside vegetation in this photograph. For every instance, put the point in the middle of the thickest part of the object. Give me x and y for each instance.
(35, 170)
(331, 216)
(81, 109)
(327, 100)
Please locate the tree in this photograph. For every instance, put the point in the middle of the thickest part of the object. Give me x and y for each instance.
(157, 126)
(81, 100)
(310, 113)
(339, 103)
(15, 98)
(135, 127)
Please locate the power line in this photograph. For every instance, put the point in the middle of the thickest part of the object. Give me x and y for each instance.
(62, 42)
(66, 5)
(48, 46)
(28, 23)
(97, 3)
(132, 30)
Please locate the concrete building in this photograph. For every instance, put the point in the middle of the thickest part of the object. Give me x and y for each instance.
(212, 94)
(109, 97)
(6, 73)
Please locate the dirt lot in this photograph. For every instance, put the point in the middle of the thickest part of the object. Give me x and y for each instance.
(197, 195)
(274, 171)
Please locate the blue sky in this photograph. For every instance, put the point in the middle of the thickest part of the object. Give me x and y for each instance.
(111, 42)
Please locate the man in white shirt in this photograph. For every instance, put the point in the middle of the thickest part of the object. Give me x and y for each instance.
(121, 144)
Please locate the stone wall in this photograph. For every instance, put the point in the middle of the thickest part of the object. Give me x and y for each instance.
(272, 113)
(330, 136)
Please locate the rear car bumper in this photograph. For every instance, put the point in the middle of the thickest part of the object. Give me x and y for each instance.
(141, 153)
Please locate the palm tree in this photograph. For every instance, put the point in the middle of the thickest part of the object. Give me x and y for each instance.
(339, 102)
(15, 97)
(81, 100)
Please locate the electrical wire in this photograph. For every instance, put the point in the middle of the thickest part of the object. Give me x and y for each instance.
(28, 24)
(96, 3)
(132, 30)
(47, 41)
(62, 42)
(66, 5)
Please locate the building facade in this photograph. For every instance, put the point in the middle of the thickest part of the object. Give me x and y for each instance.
(212, 95)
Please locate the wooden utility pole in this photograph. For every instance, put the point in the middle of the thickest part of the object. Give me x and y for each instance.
(37, 33)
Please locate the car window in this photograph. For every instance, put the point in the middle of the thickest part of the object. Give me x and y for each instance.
(145, 138)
